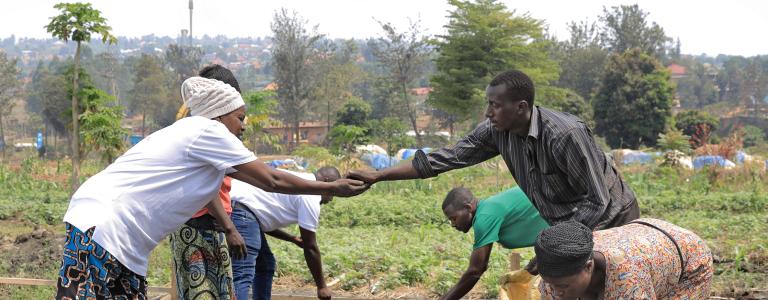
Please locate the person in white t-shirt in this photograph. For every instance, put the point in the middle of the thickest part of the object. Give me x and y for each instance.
(256, 212)
(119, 215)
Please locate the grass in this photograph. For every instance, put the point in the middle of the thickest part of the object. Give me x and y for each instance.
(395, 237)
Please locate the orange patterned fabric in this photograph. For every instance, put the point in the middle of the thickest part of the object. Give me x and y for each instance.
(643, 263)
(226, 186)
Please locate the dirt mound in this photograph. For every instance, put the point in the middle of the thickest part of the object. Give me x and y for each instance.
(36, 253)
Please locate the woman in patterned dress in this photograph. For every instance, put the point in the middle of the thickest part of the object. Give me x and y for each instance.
(645, 259)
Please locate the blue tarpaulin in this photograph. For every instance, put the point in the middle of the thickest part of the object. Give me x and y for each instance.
(637, 157)
(285, 163)
(707, 160)
(135, 139)
(379, 161)
(741, 156)
(407, 153)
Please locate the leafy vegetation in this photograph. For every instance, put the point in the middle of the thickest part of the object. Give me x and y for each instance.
(395, 235)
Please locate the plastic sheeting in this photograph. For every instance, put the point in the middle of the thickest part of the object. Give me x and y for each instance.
(379, 161)
(709, 160)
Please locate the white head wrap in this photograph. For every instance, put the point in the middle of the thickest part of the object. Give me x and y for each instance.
(210, 98)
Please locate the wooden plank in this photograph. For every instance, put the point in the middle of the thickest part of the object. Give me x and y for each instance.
(27, 281)
(514, 261)
(47, 282)
(305, 297)
(174, 291)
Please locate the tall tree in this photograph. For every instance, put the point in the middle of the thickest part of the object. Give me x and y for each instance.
(582, 59)
(149, 88)
(10, 89)
(107, 66)
(404, 56)
(339, 74)
(293, 56)
(634, 100)
(77, 22)
(184, 60)
(625, 27)
(483, 39)
(54, 94)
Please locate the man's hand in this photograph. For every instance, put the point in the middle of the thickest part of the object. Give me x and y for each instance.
(236, 244)
(532, 267)
(324, 293)
(364, 176)
(298, 241)
(349, 187)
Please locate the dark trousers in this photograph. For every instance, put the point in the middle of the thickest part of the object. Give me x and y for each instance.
(256, 270)
(627, 214)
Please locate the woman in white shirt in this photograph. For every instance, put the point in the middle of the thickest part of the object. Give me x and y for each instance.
(119, 215)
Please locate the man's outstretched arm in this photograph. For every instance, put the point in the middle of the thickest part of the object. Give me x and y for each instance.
(478, 263)
(476, 147)
(401, 172)
(282, 235)
(314, 262)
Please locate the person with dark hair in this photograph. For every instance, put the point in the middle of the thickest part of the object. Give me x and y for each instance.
(551, 155)
(508, 218)
(118, 216)
(218, 72)
(645, 259)
(202, 264)
(257, 213)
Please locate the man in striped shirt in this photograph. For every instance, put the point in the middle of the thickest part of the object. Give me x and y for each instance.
(552, 156)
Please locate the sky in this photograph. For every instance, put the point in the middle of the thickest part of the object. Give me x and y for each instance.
(713, 27)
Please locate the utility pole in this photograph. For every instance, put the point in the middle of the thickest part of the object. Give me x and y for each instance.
(191, 6)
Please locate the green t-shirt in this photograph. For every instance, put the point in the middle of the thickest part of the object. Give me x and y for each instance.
(508, 218)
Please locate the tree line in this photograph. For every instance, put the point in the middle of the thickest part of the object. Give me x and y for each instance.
(610, 72)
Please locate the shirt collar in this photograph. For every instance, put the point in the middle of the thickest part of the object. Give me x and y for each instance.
(533, 130)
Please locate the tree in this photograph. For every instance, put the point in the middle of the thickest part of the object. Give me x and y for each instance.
(352, 127)
(582, 59)
(148, 88)
(184, 60)
(634, 100)
(260, 106)
(696, 124)
(698, 89)
(626, 27)
(338, 73)
(107, 67)
(355, 112)
(54, 94)
(403, 55)
(674, 140)
(101, 125)
(9, 91)
(484, 39)
(292, 58)
(344, 138)
(753, 136)
(390, 131)
(78, 21)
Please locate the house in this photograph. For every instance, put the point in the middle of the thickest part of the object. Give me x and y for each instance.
(677, 72)
(309, 132)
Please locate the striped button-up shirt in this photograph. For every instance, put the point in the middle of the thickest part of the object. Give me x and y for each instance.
(558, 165)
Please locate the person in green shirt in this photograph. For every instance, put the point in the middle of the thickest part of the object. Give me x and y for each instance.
(508, 218)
